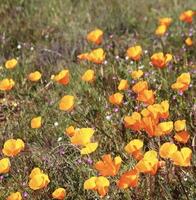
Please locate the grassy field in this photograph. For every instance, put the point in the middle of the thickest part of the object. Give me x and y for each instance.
(47, 36)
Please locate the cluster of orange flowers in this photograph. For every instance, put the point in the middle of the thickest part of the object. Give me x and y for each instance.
(149, 120)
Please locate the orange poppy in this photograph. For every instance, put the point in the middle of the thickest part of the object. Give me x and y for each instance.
(128, 179)
(165, 21)
(107, 166)
(95, 36)
(6, 84)
(62, 77)
(134, 148)
(134, 52)
(140, 86)
(182, 83)
(160, 60)
(59, 193)
(187, 16)
(133, 122)
(167, 149)
(99, 184)
(182, 137)
(136, 74)
(146, 96)
(189, 41)
(116, 98)
(182, 157)
(149, 163)
(15, 196)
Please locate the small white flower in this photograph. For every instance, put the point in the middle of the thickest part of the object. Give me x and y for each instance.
(105, 62)
(59, 139)
(56, 123)
(19, 46)
(32, 48)
(141, 67)
(126, 58)
(108, 117)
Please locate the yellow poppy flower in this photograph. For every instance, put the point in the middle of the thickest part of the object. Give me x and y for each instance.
(13, 147)
(15, 196)
(6, 84)
(10, 64)
(4, 165)
(36, 122)
(59, 193)
(95, 36)
(89, 76)
(134, 52)
(34, 76)
(123, 85)
(62, 77)
(66, 103)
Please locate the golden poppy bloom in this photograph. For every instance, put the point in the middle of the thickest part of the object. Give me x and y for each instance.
(10, 64)
(99, 184)
(89, 148)
(123, 85)
(149, 163)
(146, 96)
(182, 83)
(165, 21)
(188, 41)
(70, 131)
(180, 125)
(82, 137)
(5, 165)
(128, 179)
(116, 98)
(89, 76)
(38, 179)
(134, 52)
(107, 166)
(149, 125)
(13, 147)
(36, 122)
(66, 103)
(96, 56)
(187, 16)
(182, 137)
(140, 86)
(137, 74)
(133, 122)
(34, 76)
(183, 157)
(83, 56)
(134, 148)
(62, 77)
(59, 193)
(161, 30)
(167, 149)
(6, 84)
(160, 60)
(164, 128)
(15, 196)
(95, 36)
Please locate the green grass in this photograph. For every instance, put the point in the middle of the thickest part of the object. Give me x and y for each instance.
(51, 34)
